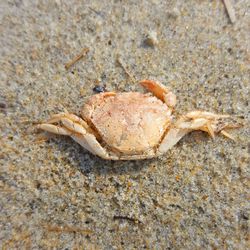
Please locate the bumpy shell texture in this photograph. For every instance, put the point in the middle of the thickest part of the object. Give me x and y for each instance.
(130, 123)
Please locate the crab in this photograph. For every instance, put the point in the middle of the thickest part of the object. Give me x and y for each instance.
(133, 125)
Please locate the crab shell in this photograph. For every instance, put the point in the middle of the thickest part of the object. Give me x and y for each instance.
(129, 123)
(132, 125)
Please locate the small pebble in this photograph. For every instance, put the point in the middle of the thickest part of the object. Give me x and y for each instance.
(99, 89)
(151, 39)
(3, 105)
(173, 13)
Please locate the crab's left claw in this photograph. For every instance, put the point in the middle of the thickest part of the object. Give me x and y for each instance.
(78, 130)
(160, 91)
(198, 120)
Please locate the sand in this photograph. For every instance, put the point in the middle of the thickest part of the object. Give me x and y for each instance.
(56, 195)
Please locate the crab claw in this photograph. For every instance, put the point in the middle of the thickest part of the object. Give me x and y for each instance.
(198, 120)
(160, 91)
(208, 122)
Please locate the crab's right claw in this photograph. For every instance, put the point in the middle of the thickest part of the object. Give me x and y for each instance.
(209, 122)
(198, 120)
(160, 91)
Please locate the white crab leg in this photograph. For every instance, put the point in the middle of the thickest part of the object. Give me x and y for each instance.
(73, 126)
(196, 120)
(90, 143)
(204, 114)
(77, 132)
(171, 138)
(160, 91)
(86, 138)
(63, 131)
(53, 129)
(74, 118)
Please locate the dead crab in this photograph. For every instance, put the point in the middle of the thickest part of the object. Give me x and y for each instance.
(132, 125)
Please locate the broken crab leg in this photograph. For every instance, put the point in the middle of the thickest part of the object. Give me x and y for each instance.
(226, 134)
(196, 120)
(160, 91)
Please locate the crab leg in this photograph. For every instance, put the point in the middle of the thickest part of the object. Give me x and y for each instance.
(72, 117)
(62, 131)
(197, 120)
(160, 91)
(53, 129)
(85, 137)
(78, 130)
